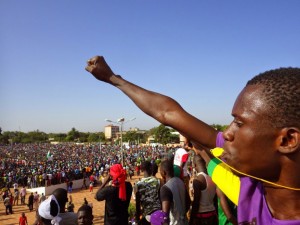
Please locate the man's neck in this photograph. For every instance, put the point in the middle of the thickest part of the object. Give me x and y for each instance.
(146, 175)
(283, 204)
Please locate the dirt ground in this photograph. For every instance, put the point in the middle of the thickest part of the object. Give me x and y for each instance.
(77, 196)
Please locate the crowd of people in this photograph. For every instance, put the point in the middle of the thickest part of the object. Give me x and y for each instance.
(176, 197)
(37, 165)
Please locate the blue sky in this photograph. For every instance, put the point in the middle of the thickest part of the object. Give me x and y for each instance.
(199, 52)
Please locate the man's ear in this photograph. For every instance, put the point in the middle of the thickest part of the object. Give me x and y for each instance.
(289, 140)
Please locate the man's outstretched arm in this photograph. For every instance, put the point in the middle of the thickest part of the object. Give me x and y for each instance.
(162, 108)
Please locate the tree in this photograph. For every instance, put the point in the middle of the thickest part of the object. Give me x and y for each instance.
(60, 137)
(219, 127)
(162, 134)
(34, 136)
(73, 135)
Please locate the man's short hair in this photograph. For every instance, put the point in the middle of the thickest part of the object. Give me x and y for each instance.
(61, 195)
(86, 208)
(281, 91)
(167, 166)
(147, 166)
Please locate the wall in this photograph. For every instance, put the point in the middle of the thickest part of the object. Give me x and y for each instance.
(48, 190)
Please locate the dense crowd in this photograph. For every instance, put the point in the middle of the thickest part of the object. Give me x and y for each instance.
(35, 165)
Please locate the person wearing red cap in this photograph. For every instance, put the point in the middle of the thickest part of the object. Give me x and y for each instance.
(117, 196)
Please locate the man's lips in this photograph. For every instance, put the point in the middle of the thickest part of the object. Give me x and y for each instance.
(224, 156)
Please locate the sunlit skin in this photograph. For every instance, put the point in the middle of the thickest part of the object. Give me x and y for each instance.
(84, 218)
(246, 135)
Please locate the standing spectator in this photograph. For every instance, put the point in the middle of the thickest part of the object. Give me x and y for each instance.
(16, 197)
(137, 169)
(92, 178)
(174, 196)
(70, 186)
(147, 194)
(23, 219)
(15, 186)
(180, 161)
(117, 196)
(44, 175)
(23, 195)
(70, 206)
(91, 186)
(30, 201)
(67, 218)
(11, 198)
(42, 198)
(36, 200)
(84, 182)
(49, 179)
(203, 207)
(48, 212)
(8, 206)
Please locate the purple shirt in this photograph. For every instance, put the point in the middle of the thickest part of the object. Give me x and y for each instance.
(252, 205)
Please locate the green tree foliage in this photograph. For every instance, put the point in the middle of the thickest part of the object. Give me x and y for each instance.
(96, 137)
(162, 134)
(219, 127)
(59, 137)
(21, 137)
(73, 135)
(93, 137)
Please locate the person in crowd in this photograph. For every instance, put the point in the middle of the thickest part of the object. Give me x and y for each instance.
(70, 206)
(67, 218)
(49, 212)
(84, 182)
(70, 186)
(85, 215)
(117, 196)
(16, 197)
(23, 195)
(15, 186)
(8, 205)
(42, 198)
(262, 142)
(30, 201)
(204, 192)
(23, 219)
(146, 194)
(36, 199)
(181, 157)
(174, 196)
(66, 166)
(91, 186)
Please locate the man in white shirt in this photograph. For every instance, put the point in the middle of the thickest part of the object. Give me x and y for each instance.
(23, 195)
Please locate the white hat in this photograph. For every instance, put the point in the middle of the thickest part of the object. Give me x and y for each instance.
(49, 209)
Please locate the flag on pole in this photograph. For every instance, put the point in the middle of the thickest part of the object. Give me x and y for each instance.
(49, 156)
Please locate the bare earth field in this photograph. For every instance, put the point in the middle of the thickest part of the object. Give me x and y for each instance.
(77, 196)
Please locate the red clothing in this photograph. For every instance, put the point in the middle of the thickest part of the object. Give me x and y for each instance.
(92, 178)
(23, 220)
